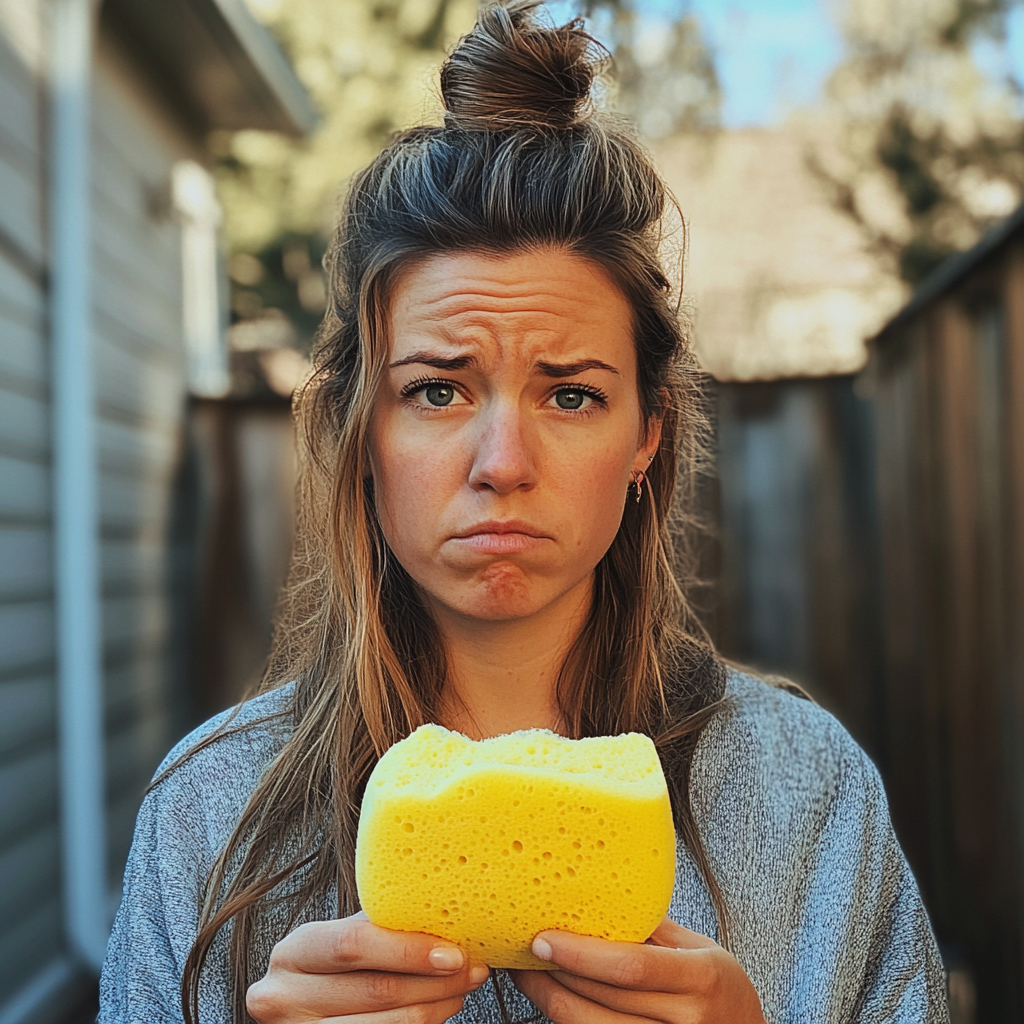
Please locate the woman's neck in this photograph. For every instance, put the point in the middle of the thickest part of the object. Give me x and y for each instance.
(503, 675)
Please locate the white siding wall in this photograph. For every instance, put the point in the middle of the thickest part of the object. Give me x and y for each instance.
(141, 382)
(141, 366)
(30, 912)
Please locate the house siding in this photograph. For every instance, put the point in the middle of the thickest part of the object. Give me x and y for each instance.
(30, 913)
(141, 399)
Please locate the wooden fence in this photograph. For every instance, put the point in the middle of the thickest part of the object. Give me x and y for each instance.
(871, 545)
(949, 382)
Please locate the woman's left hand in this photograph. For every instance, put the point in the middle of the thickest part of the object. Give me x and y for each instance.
(676, 977)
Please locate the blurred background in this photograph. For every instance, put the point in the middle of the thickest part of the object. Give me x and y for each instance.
(851, 172)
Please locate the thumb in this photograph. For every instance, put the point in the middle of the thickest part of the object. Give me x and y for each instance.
(675, 936)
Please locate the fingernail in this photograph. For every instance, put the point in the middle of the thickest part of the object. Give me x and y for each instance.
(446, 958)
(478, 975)
(542, 949)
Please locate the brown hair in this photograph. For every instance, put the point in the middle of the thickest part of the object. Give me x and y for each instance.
(522, 161)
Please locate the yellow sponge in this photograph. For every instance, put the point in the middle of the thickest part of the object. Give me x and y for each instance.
(488, 843)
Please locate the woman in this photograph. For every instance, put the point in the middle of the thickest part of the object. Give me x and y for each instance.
(502, 410)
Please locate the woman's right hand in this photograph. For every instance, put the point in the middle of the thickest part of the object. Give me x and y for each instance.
(329, 971)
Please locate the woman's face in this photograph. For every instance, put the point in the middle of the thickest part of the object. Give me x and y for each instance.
(507, 427)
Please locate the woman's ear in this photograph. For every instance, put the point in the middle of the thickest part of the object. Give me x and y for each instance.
(650, 439)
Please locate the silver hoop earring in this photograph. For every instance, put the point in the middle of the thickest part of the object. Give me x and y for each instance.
(638, 482)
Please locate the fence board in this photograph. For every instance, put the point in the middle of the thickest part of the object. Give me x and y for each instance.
(948, 441)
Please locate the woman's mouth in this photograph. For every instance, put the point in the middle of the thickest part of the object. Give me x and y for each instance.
(500, 537)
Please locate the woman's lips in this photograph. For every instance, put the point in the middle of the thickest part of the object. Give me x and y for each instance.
(498, 543)
(508, 538)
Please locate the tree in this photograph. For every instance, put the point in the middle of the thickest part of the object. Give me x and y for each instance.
(371, 67)
(664, 77)
(925, 150)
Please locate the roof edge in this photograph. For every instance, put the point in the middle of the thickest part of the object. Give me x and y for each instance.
(270, 62)
(953, 269)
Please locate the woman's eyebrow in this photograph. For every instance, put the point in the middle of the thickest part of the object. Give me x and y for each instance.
(438, 362)
(557, 370)
(571, 369)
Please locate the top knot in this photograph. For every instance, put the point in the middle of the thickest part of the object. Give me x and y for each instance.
(511, 72)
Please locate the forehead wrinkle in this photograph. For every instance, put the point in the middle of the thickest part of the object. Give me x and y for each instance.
(535, 334)
(495, 296)
(484, 337)
(480, 329)
(534, 318)
(529, 304)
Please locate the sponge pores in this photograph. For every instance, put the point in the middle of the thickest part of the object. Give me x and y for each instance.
(489, 842)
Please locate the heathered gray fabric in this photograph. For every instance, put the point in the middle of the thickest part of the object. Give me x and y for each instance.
(828, 921)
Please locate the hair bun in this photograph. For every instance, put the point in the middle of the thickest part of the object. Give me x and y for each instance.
(512, 72)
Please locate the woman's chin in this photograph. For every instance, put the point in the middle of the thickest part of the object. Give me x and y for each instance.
(501, 593)
(500, 603)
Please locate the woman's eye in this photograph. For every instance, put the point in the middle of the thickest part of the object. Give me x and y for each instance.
(439, 394)
(572, 400)
(432, 394)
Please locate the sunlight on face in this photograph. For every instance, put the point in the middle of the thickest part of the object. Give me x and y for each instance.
(505, 432)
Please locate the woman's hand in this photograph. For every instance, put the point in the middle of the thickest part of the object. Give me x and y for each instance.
(329, 971)
(676, 977)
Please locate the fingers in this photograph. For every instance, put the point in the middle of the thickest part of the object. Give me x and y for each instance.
(373, 991)
(327, 970)
(284, 998)
(367, 991)
(631, 965)
(677, 977)
(422, 1013)
(675, 936)
(564, 1006)
(659, 1006)
(353, 944)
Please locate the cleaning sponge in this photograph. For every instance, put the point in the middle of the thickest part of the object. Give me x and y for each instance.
(488, 843)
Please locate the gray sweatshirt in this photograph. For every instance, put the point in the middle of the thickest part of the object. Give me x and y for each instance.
(827, 918)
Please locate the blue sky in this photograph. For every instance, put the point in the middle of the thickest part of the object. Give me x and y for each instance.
(773, 55)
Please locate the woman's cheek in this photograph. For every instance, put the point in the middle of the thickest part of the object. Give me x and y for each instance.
(417, 482)
(599, 494)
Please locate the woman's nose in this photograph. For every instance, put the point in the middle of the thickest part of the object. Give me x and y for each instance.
(504, 460)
